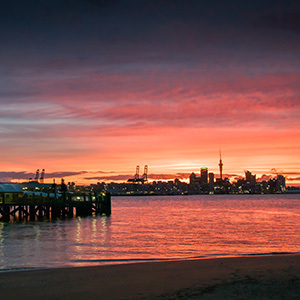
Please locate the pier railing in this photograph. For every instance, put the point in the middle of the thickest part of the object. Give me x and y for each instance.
(32, 207)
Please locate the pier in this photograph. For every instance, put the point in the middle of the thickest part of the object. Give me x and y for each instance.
(40, 207)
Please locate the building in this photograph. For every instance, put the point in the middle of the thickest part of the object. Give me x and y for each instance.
(281, 183)
(221, 166)
(211, 182)
(204, 176)
(194, 179)
(250, 179)
(10, 192)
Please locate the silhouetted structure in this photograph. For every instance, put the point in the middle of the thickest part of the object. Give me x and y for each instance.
(145, 175)
(37, 175)
(204, 176)
(221, 167)
(42, 176)
(137, 178)
(28, 205)
(211, 182)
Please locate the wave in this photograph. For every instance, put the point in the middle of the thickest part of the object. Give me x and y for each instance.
(270, 253)
(120, 260)
(207, 256)
(113, 261)
(21, 269)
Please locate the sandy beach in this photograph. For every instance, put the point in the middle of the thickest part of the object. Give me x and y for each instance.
(257, 277)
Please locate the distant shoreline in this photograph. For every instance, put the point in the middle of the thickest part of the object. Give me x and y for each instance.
(242, 194)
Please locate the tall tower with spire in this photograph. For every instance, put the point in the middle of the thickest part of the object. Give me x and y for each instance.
(221, 166)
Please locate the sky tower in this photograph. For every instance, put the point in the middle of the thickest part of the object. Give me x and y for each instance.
(221, 167)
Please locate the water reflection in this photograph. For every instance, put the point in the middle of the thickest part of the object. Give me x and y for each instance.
(157, 228)
(91, 239)
(78, 239)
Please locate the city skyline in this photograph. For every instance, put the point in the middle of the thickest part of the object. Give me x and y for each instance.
(91, 177)
(90, 89)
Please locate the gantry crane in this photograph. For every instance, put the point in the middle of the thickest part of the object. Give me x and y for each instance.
(42, 176)
(137, 178)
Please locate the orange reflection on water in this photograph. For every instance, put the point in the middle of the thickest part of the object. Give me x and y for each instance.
(155, 228)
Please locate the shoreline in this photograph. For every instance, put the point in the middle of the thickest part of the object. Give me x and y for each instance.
(113, 262)
(252, 277)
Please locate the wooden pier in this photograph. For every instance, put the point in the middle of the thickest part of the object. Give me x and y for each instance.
(38, 207)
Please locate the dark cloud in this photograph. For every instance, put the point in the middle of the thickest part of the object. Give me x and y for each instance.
(281, 20)
(8, 176)
(125, 177)
(112, 178)
(62, 12)
(289, 173)
(137, 21)
(102, 172)
(64, 174)
(50, 47)
(293, 178)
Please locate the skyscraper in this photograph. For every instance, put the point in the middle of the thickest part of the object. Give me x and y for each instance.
(211, 183)
(248, 176)
(204, 175)
(221, 167)
(250, 179)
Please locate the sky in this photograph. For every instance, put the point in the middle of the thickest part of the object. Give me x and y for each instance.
(90, 89)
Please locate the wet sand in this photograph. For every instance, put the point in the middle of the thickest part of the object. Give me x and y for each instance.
(257, 277)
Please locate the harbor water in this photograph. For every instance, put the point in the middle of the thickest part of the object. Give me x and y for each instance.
(157, 228)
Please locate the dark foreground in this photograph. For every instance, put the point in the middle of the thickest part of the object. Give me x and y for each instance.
(260, 277)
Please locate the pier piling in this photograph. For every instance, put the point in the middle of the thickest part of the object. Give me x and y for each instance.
(38, 207)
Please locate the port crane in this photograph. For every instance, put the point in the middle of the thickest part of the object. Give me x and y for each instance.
(42, 176)
(39, 178)
(37, 174)
(137, 178)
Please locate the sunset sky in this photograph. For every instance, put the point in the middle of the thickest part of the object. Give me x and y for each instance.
(90, 89)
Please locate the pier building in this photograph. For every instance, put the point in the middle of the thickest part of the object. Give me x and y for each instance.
(19, 205)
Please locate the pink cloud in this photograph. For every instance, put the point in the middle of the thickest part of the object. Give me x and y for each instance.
(97, 119)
